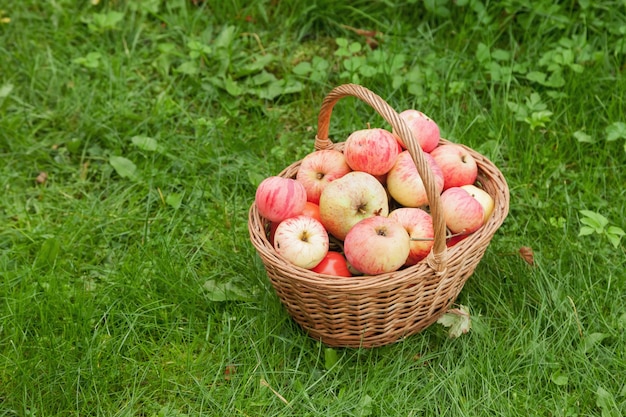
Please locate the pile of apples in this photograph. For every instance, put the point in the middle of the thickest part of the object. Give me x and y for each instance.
(364, 211)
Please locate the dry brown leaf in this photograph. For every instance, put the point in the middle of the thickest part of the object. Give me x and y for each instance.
(42, 177)
(527, 255)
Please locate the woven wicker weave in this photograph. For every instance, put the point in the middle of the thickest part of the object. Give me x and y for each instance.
(369, 311)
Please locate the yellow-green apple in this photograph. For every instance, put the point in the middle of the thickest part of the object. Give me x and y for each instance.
(377, 245)
(301, 240)
(458, 165)
(424, 129)
(405, 184)
(419, 225)
(350, 199)
(310, 209)
(371, 150)
(462, 213)
(319, 168)
(279, 198)
(483, 198)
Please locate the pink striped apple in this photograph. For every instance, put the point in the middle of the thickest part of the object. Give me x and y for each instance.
(419, 224)
(279, 198)
(424, 129)
(483, 198)
(377, 245)
(319, 168)
(457, 164)
(462, 213)
(405, 184)
(371, 150)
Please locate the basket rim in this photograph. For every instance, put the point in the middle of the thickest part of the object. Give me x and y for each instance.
(488, 173)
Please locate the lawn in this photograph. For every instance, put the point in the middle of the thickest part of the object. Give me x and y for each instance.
(133, 136)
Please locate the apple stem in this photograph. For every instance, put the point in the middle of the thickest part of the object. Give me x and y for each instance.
(422, 239)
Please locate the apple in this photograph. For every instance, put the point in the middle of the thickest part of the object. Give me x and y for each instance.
(371, 150)
(310, 209)
(279, 198)
(483, 198)
(462, 213)
(419, 225)
(377, 245)
(319, 168)
(424, 129)
(301, 240)
(350, 199)
(458, 165)
(334, 263)
(454, 239)
(405, 184)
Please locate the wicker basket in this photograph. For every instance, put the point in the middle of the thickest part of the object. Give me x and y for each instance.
(369, 311)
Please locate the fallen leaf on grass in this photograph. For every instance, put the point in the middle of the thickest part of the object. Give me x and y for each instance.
(527, 255)
(226, 291)
(458, 320)
(42, 177)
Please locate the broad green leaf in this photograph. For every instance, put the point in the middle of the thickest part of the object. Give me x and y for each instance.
(49, 251)
(232, 87)
(262, 78)
(537, 76)
(364, 408)
(174, 200)
(615, 131)
(558, 378)
(91, 60)
(606, 402)
(225, 38)
(581, 136)
(614, 239)
(501, 55)
(586, 230)
(592, 340)
(482, 53)
(124, 167)
(302, 68)
(145, 143)
(226, 291)
(367, 71)
(330, 358)
(594, 219)
(5, 90)
(188, 68)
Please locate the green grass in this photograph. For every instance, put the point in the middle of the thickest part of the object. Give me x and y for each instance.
(128, 285)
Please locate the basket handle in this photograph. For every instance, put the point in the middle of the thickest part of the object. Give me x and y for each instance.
(437, 258)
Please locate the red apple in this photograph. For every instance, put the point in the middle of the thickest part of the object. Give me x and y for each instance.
(334, 263)
(457, 164)
(312, 210)
(377, 245)
(424, 129)
(405, 184)
(454, 239)
(319, 168)
(301, 240)
(350, 199)
(419, 225)
(371, 150)
(279, 198)
(483, 198)
(461, 212)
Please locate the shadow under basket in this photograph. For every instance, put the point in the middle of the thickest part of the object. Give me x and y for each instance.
(370, 311)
